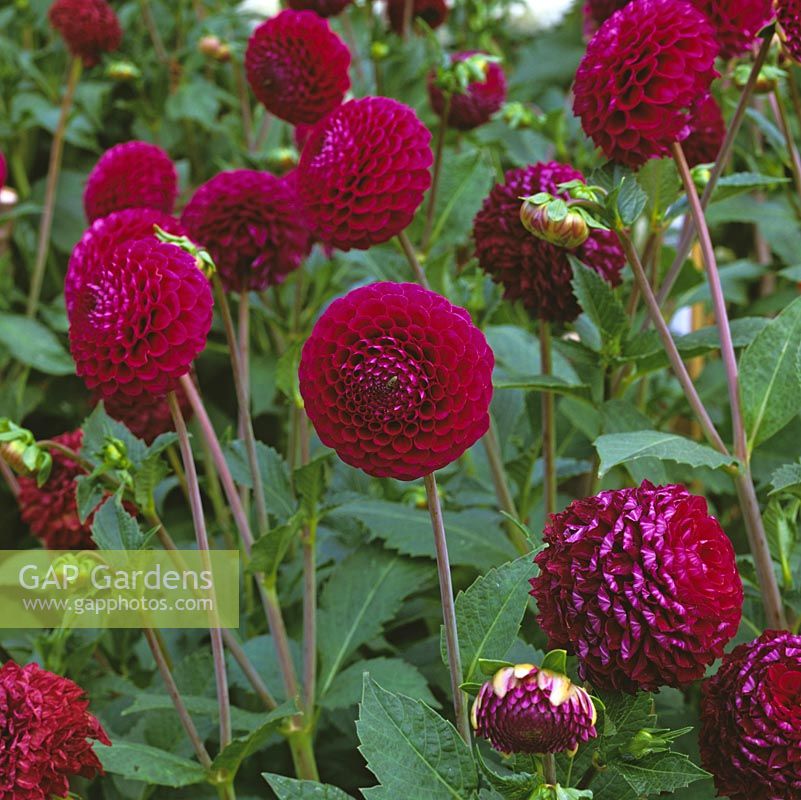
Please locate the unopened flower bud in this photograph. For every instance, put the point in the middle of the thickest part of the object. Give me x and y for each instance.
(123, 71)
(282, 159)
(115, 454)
(13, 454)
(209, 45)
(379, 51)
(554, 221)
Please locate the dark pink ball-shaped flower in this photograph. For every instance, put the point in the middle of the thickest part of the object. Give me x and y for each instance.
(131, 175)
(253, 225)
(88, 27)
(477, 105)
(707, 130)
(324, 8)
(297, 66)
(736, 22)
(51, 510)
(788, 15)
(432, 12)
(641, 584)
(104, 235)
(643, 71)
(524, 709)
(139, 319)
(363, 172)
(146, 416)
(46, 734)
(530, 269)
(397, 380)
(750, 734)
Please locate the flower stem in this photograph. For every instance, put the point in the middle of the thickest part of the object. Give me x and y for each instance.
(448, 606)
(177, 700)
(153, 32)
(548, 423)
(411, 257)
(10, 478)
(780, 112)
(549, 768)
(203, 545)
(309, 540)
(244, 103)
(278, 631)
(438, 153)
(757, 537)
(53, 172)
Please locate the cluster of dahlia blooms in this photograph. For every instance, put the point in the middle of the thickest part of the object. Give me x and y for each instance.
(788, 15)
(432, 12)
(297, 66)
(751, 720)
(524, 709)
(641, 584)
(88, 27)
(131, 175)
(475, 106)
(46, 734)
(644, 71)
(363, 172)
(532, 270)
(397, 380)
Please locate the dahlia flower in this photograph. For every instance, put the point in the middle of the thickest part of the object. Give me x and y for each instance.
(788, 15)
(46, 734)
(104, 235)
(51, 511)
(707, 130)
(397, 380)
(324, 8)
(736, 22)
(139, 318)
(641, 584)
(534, 271)
(363, 172)
(88, 27)
(750, 734)
(131, 175)
(524, 709)
(475, 106)
(432, 12)
(643, 71)
(297, 66)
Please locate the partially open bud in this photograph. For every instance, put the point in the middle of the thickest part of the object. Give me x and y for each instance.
(209, 45)
(123, 71)
(18, 448)
(203, 260)
(525, 709)
(551, 219)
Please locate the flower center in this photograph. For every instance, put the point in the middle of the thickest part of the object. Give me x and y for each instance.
(785, 683)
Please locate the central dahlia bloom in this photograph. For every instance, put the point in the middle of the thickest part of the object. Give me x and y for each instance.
(643, 71)
(46, 734)
(524, 709)
(397, 380)
(104, 235)
(477, 105)
(707, 130)
(139, 319)
(297, 66)
(532, 270)
(323, 8)
(253, 225)
(788, 15)
(129, 175)
(51, 510)
(432, 12)
(641, 584)
(750, 734)
(736, 22)
(88, 27)
(363, 172)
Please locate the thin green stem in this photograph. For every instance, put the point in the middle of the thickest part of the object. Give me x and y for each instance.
(780, 112)
(448, 607)
(548, 423)
(51, 186)
(153, 32)
(549, 768)
(309, 541)
(438, 153)
(411, 257)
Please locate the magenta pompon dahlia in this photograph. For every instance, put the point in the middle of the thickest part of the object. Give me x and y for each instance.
(524, 709)
(532, 270)
(297, 66)
(750, 734)
(736, 22)
(432, 12)
(643, 71)
(641, 584)
(104, 235)
(51, 510)
(139, 319)
(707, 130)
(477, 105)
(46, 734)
(788, 15)
(397, 380)
(254, 226)
(363, 172)
(88, 27)
(323, 8)
(131, 175)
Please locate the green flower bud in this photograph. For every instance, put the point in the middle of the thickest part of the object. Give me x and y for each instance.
(554, 221)
(379, 51)
(123, 71)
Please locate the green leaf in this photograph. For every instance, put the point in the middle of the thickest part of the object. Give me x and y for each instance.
(274, 476)
(98, 427)
(631, 200)
(659, 772)
(346, 688)
(660, 180)
(269, 550)
(489, 666)
(365, 591)
(202, 706)
(113, 528)
(88, 496)
(33, 344)
(618, 448)
(310, 481)
(414, 753)
(624, 716)
(139, 762)
(547, 383)
(781, 528)
(598, 300)
(489, 613)
(556, 661)
(769, 382)
(511, 786)
(292, 789)
(786, 478)
(197, 101)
